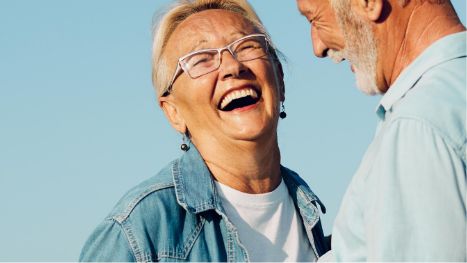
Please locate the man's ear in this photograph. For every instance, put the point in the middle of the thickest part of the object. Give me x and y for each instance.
(371, 9)
(173, 114)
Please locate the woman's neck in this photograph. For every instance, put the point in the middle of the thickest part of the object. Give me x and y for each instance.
(249, 167)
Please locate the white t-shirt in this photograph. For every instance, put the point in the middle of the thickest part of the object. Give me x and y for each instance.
(268, 224)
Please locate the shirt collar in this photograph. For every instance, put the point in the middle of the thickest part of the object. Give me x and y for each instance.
(445, 49)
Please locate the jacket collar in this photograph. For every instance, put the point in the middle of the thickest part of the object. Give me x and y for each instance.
(196, 191)
(194, 186)
(302, 196)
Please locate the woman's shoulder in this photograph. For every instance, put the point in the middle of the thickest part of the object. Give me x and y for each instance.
(296, 184)
(152, 194)
(144, 217)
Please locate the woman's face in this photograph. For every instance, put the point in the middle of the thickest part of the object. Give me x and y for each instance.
(238, 101)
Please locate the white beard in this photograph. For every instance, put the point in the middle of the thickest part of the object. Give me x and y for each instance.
(360, 47)
(365, 83)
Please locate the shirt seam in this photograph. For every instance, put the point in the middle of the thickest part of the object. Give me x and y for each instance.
(122, 217)
(187, 246)
(130, 238)
(458, 149)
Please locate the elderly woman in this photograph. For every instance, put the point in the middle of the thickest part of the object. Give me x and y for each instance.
(220, 84)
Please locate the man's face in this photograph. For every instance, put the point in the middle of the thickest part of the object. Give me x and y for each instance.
(356, 43)
(325, 34)
(361, 49)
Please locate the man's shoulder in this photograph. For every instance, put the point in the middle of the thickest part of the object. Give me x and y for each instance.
(438, 100)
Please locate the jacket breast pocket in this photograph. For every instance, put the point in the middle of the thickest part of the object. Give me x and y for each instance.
(178, 244)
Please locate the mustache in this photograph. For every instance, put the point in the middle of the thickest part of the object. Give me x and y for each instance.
(335, 55)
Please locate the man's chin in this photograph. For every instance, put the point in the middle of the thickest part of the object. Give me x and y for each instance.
(366, 85)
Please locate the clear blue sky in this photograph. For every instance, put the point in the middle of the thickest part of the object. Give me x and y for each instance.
(79, 124)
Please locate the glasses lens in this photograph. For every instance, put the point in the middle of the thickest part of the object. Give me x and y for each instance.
(250, 48)
(205, 61)
(201, 63)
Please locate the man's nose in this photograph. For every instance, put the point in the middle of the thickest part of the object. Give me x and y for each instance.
(230, 66)
(319, 48)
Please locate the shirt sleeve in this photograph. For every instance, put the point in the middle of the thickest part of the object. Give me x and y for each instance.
(107, 243)
(408, 202)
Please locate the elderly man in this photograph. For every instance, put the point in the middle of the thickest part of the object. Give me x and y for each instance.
(407, 200)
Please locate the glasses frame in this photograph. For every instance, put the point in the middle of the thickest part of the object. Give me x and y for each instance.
(181, 67)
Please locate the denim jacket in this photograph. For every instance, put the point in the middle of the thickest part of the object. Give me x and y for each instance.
(177, 215)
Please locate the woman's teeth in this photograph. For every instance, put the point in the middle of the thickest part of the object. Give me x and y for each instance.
(236, 94)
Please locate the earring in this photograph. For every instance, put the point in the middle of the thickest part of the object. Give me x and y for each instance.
(184, 146)
(282, 114)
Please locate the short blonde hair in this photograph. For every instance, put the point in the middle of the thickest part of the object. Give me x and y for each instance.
(175, 15)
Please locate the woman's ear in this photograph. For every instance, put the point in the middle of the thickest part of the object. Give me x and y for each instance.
(280, 80)
(173, 114)
(371, 9)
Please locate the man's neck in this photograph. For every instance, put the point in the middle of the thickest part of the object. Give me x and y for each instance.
(250, 167)
(426, 24)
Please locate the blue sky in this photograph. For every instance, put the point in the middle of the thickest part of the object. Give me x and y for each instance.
(79, 122)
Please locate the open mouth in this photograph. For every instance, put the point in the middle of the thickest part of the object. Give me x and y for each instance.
(238, 99)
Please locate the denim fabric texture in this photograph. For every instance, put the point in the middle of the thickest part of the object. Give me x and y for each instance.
(177, 215)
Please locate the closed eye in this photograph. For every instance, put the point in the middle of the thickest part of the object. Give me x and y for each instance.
(249, 47)
(199, 61)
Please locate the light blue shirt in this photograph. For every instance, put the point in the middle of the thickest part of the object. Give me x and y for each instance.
(407, 200)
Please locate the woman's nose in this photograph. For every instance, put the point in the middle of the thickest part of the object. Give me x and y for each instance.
(230, 66)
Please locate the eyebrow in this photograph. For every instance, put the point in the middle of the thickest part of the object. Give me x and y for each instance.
(237, 34)
(240, 34)
(195, 46)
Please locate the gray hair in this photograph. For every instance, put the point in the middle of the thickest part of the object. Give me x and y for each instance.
(175, 15)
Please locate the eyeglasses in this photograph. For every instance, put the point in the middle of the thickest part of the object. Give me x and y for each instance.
(204, 61)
